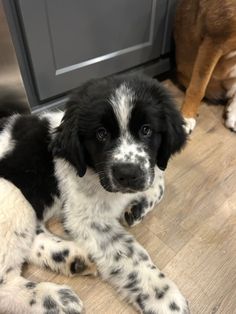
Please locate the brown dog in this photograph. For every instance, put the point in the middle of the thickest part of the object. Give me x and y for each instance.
(205, 37)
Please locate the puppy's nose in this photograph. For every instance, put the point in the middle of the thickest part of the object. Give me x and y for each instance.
(128, 175)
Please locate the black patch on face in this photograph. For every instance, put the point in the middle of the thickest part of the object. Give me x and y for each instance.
(77, 266)
(154, 106)
(174, 307)
(30, 285)
(30, 166)
(49, 303)
(66, 296)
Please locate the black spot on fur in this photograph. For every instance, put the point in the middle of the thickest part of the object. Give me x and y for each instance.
(143, 256)
(129, 218)
(152, 266)
(117, 237)
(91, 258)
(174, 307)
(67, 296)
(9, 270)
(117, 256)
(159, 294)
(66, 252)
(39, 254)
(115, 271)
(29, 166)
(39, 230)
(132, 281)
(100, 227)
(161, 191)
(32, 302)
(41, 247)
(1, 280)
(141, 300)
(161, 275)
(133, 275)
(129, 240)
(130, 251)
(30, 285)
(58, 257)
(150, 204)
(20, 234)
(71, 311)
(78, 266)
(49, 303)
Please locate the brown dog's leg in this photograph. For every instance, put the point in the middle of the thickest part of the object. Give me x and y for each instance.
(208, 56)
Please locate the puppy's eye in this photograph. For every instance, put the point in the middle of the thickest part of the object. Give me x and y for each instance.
(145, 131)
(101, 134)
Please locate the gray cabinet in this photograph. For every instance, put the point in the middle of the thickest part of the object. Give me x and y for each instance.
(66, 42)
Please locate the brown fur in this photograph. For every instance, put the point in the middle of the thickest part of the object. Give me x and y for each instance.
(205, 34)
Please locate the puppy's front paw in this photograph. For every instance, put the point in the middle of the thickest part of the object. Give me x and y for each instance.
(163, 298)
(70, 260)
(134, 214)
(230, 121)
(190, 124)
(49, 298)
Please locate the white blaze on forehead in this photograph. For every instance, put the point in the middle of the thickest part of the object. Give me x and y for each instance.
(122, 104)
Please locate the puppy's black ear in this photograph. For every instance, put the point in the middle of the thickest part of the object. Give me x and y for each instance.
(173, 136)
(66, 143)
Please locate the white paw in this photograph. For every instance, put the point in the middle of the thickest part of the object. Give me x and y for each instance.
(190, 124)
(163, 297)
(230, 121)
(50, 298)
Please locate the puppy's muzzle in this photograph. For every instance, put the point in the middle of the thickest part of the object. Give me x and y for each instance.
(128, 176)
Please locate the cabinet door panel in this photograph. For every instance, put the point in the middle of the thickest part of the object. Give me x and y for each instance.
(70, 41)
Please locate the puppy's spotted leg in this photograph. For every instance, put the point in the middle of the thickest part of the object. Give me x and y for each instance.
(59, 255)
(127, 266)
(145, 202)
(22, 296)
(17, 231)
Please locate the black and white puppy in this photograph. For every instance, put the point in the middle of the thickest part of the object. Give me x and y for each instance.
(97, 165)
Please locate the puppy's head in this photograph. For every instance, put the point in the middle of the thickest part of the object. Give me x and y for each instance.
(121, 127)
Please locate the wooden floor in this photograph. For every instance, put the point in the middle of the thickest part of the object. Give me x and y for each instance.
(191, 235)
